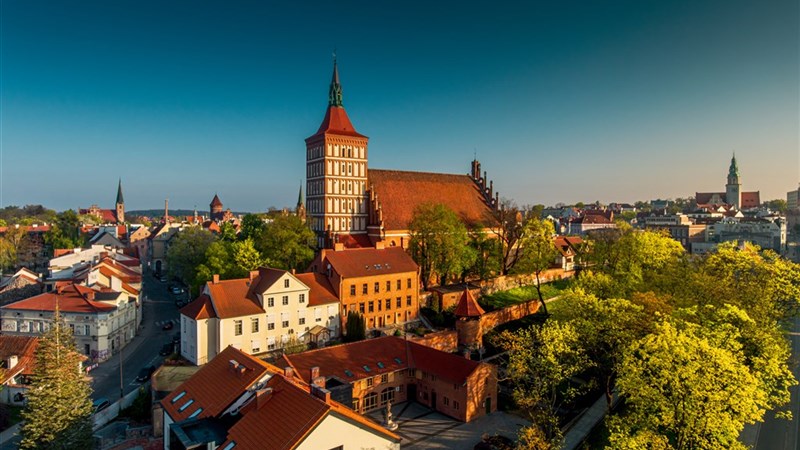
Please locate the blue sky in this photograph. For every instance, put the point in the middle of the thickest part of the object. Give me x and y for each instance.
(562, 101)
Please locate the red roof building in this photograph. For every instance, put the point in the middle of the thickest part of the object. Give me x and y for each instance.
(395, 369)
(237, 401)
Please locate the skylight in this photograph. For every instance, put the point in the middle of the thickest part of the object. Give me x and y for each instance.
(348, 373)
(179, 396)
(185, 405)
(380, 365)
(230, 445)
(367, 369)
(398, 361)
(196, 413)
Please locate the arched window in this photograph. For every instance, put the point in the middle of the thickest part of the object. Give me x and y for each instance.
(370, 401)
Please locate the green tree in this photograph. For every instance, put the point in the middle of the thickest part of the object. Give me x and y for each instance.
(287, 243)
(778, 205)
(439, 243)
(188, 251)
(355, 328)
(58, 410)
(252, 227)
(70, 225)
(509, 232)
(682, 386)
(246, 257)
(542, 361)
(8, 254)
(487, 255)
(538, 252)
(227, 232)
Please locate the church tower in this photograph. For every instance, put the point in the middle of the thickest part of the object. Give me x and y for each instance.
(120, 204)
(215, 208)
(336, 173)
(733, 189)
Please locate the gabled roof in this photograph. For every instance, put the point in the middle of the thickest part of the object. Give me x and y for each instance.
(320, 289)
(363, 262)
(468, 306)
(23, 347)
(71, 298)
(400, 193)
(230, 298)
(351, 361)
(267, 276)
(200, 308)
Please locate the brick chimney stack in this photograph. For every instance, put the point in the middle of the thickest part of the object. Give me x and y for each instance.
(215, 279)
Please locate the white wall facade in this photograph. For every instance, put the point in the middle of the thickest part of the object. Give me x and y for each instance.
(337, 430)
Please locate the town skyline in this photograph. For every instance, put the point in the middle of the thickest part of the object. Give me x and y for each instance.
(179, 109)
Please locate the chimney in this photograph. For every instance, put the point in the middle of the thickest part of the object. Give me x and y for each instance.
(288, 372)
(12, 361)
(380, 245)
(321, 393)
(215, 279)
(253, 274)
(232, 365)
(262, 395)
(337, 247)
(314, 372)
(294, 271)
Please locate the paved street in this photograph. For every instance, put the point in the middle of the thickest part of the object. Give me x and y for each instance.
(143, 350)
(780, 434)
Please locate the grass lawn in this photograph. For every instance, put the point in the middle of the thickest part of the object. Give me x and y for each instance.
(522, 294)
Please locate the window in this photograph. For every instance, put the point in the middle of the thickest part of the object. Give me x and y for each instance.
(255, 346)
(355, 404)
(270, 302)
(254, 325)
(237, 327)
(399, 302)
(399, 285)
(371, 306)
(370, 401)
(409, 283)
(178, 397)
(380, 305)
(388, 304)
(286, 283)
(369, 382)
(285, 300)
(302, 321)
(385, 378)
(364, 288)
(408, 301)
(352, 289)
(230, 445)
(361, 307)
(388, 286)
(302, 298)
(285, 324)
(455, 404)
(387, 395)
(377, 287)
(270, 326)
(196, 413)
(186, 405)
(411, 373)
(446, 401)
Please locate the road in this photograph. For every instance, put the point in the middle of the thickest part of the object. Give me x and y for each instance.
(142, 351)
(780, 434)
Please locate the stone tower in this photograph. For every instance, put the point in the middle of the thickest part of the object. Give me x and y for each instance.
(733, 189)
(336, 173)
(120, 205)
(215, 208)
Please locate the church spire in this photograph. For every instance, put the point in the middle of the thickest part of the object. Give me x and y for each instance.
(300, 197)
(335, 91)
(120, 200)
(733, 171)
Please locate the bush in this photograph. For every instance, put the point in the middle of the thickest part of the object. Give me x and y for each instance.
(140, 409)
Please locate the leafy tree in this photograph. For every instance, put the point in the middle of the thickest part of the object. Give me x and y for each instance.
(294, 345)
(287, 242)
(487, 252)
(187, 252)
(55, 238)
(439, 243)
(252, 227)
(538, 251)
(58, 410)
(511, 221)
(227, 232)
(542, 360)
(778, 205)
(682, 386)
(69, 224)
(8, 254)
(246, 257)
(355, 328)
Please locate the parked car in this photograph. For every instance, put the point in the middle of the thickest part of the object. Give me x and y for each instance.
(145, 374)
(176, 338)
(167, 326)
(176, 290)
(167, 349)
(100, 404)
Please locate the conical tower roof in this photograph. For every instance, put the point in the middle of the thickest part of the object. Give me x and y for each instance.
(120, 199)
(216, 201)
(468, 306)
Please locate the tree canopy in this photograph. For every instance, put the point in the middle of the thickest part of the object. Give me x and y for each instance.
(286, 242)
(439, 243)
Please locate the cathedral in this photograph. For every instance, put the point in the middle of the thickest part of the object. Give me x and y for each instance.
(350, 204)
(733, 197)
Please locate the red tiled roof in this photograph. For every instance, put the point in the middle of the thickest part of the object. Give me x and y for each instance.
(364, 262)
(592, 218)
(23, 347)
(354, 240)
(400, 193)
(230, 298)
(468, 306)
(215, 386)
(267, 276)
(62, 251)
(200, 308)
(71, 298)
(336, 122)
(320, 289)
(702, 198)
(216, 201)
(333, 361)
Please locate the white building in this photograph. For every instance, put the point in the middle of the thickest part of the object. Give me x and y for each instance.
(259, 314)
(66, 267)
(103, 321)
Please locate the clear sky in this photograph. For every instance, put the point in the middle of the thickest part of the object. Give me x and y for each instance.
(563, 101)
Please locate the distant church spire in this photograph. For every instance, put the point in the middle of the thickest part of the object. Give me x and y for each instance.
(300, 197)
(120, 205)
(120, 200)
(733, 171)
(335, 91)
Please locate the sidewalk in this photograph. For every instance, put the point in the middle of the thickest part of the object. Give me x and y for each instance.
(9, 439)
(587, 421)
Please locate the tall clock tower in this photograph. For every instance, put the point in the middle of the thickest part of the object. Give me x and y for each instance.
(336, 173)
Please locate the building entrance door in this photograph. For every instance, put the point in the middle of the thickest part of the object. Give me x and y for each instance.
(411, 392)
(433, 400)
(488, 405)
